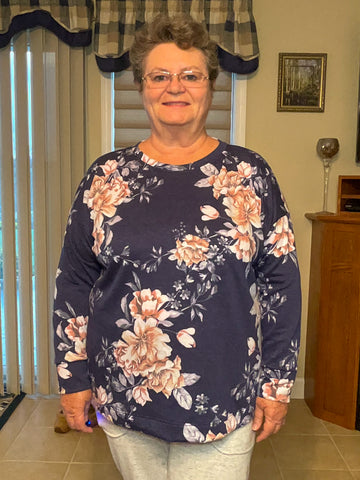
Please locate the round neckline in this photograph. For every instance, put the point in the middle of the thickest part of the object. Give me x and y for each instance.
(146, 160)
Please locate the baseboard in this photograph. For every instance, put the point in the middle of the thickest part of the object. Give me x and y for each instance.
(298, 388)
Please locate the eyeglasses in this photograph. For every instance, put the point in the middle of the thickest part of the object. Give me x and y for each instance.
(188, 79)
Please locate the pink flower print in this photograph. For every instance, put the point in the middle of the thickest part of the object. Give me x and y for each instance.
(99, 237)
(144, 347)
(129, 368)
(244, 169)
(209, 213)
(192, 250)
(141, 395)
(251, 345)
(229, 180)
(245, 246)
(185, 337)
(211, 437)
(244, 208)
(63, 371)
(79, 353)
(230, 423)
(77, 328)
(147, 304)
(165, 377)
(104, 196)
(101, 396)
(76, 332)
(109, 167)
(278, 390)
(282, 238)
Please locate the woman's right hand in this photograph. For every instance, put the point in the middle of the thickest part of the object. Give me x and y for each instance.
(76, 408)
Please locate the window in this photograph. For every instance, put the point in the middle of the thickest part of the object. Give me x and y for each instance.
(128, 123)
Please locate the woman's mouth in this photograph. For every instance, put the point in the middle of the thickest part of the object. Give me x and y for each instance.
(175, 104)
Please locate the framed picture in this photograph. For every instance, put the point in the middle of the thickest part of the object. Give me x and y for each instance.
(301, 82)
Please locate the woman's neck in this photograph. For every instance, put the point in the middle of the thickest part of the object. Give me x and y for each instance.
(181, 151)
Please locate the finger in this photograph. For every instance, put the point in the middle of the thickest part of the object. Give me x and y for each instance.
(81, 424)
(78, 422)
(258, 419)
(269, 428)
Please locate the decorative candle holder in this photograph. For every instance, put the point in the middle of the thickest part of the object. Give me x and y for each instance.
(327, 148)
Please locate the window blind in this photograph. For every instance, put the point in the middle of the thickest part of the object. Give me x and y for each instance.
(42, 157)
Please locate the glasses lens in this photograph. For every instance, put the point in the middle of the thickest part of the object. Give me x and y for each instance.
(158, 79)
(191, 79)
(187, 78)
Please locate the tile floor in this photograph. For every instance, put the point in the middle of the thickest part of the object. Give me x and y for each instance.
(306, 449)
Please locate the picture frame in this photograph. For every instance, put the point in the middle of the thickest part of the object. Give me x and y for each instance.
(301, 82)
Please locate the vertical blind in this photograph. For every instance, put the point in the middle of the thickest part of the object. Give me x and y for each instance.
(42, 159)
(131, 122)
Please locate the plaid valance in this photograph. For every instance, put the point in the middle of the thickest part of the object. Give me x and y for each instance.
(70, 20)
(110, 25)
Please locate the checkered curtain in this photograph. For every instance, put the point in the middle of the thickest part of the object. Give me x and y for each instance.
(70, 20)
(230, 23)
(110, 25)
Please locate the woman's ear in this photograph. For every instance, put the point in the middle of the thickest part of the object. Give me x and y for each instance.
(139, 86)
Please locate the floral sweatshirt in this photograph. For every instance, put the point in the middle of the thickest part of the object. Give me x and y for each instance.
(177, 294)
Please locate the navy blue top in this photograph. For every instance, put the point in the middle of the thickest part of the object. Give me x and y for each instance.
(178, 293)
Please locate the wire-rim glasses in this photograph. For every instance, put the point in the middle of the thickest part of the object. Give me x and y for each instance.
(188, 78)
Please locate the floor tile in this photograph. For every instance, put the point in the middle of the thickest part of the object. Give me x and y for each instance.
(32, 470)
(43, 444)
(350, 449)
(337, 430)
(306, 452)
(263, 463)
(15, 423)
(93, 447)
(300, 420)
(92, 471)
(316, 475)
(45, 413)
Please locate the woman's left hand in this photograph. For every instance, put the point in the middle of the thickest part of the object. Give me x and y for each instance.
(269, 417)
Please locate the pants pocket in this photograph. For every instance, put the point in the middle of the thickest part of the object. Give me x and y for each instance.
(111, 430)
(238, 442)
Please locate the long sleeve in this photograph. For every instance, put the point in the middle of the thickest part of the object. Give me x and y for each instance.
(77, 272)
(278, 299)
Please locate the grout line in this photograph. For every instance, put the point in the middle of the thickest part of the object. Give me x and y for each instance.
(276, 459)
(23, 425)
(341, 455)
(71, 459)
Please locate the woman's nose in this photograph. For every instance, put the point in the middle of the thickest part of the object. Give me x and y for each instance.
(175, 84)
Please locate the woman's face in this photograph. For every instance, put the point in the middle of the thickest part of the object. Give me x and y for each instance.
(174, 105)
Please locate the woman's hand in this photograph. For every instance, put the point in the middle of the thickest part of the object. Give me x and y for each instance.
(76, 408)
(269, 417)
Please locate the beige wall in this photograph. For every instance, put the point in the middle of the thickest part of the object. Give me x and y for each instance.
(288, 140)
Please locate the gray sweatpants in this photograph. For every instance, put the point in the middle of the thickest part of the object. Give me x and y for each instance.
(142, 457)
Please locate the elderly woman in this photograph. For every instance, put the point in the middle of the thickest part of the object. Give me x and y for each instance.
(178, 301)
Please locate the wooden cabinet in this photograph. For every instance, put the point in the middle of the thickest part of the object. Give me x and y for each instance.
(333, 326)
(349, 195)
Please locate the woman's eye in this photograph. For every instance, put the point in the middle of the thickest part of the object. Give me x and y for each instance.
(190, 77)
(159, 78)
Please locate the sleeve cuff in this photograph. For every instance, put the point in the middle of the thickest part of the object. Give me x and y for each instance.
(276, 389)
(73, 377)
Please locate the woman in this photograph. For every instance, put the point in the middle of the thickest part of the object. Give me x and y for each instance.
(178, 251)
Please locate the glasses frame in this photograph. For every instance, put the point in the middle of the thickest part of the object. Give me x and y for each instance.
(170, 76)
